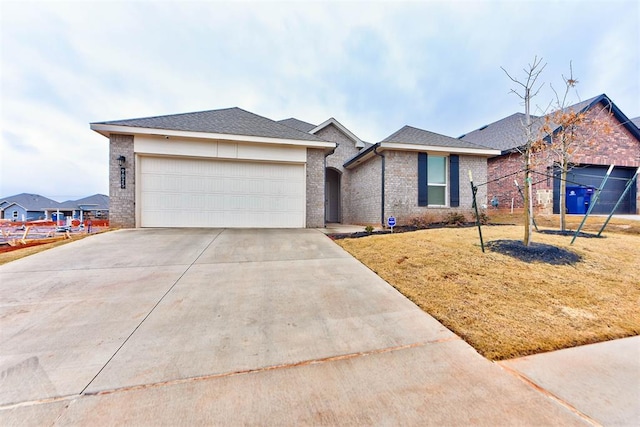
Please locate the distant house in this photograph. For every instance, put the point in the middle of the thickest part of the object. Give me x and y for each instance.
(621, 148)
(31, 207)
(636, 122)
(25, 207)
(233, 168)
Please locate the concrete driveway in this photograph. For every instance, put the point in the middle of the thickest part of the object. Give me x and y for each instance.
(219, 327)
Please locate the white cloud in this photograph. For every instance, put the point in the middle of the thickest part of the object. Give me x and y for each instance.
(374, 66)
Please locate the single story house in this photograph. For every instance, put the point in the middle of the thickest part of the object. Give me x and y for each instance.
(32, 207)
(619, 147)
(234, 168)
(25, 207)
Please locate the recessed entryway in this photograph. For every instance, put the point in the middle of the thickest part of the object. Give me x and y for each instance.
(332, 195)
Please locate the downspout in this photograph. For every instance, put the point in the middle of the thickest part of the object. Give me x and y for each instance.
(375, 151)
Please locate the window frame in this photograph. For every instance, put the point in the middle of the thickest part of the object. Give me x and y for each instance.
(440, 185)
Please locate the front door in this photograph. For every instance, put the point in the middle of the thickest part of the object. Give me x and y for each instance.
(332, 195)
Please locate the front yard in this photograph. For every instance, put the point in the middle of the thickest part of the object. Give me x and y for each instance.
(507, 308)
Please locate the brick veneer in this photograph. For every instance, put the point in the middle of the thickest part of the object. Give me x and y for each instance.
(618, 147)
(365, 195)
(345, 150)
(121, 200)
(315, 187)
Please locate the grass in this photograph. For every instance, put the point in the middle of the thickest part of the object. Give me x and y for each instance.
(507, 308)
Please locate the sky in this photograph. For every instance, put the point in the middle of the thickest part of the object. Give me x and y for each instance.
(373, 66)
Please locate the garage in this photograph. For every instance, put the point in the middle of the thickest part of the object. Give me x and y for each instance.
(191, 192)
(592, 176)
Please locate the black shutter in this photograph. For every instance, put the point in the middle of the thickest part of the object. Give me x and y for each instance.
(422, 180)
(454, 181)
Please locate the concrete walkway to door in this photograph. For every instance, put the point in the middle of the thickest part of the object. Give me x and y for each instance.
(234, 327)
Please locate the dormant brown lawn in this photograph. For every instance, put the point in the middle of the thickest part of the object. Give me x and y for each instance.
(504, 307)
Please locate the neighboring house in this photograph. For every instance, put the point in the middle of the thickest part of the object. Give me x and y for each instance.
(636, 122)
(32, 207)
(25, 207)
(233, 168)
(620, 147)
(91, 207)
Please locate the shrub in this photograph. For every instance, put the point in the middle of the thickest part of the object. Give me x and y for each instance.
(454, 218)
(368, 229)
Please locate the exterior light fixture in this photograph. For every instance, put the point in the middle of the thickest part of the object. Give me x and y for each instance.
(123, 171)
(121, 161)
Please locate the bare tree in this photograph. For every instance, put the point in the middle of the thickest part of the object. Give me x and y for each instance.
(569, 133)
(527, 91)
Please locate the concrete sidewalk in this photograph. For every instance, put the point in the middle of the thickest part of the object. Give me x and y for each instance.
(235, 327)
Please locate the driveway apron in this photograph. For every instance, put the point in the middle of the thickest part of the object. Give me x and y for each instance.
(235, 326)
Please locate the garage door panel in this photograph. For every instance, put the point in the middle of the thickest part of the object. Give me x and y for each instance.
(214, 193)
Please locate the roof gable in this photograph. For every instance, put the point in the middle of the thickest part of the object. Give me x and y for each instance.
(229, 121)
(331, 121)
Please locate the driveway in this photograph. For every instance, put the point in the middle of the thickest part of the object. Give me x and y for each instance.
(235, 326)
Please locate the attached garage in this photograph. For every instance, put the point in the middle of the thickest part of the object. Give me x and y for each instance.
(178, 192)
(218, 168)
(592, 176)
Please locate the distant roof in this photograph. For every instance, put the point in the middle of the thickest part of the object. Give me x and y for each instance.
(297, 124)
(30, 202)
(95, 202)
(231, 121)
(412, 135)
(636, 122)
(509, 133)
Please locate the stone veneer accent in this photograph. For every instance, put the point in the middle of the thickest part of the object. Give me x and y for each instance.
(122, 200)
(315, 188)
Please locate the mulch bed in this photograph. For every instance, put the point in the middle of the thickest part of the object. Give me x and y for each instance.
(535, 252)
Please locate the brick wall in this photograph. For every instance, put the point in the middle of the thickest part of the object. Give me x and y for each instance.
(618, 147)
(121, 200)
(315, 187)
(345, 150)
(365, 194)
(401, 187)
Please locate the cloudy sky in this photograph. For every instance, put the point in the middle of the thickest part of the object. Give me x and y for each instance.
(374, 66)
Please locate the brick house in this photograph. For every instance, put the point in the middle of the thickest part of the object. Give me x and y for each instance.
(233, 168)
(619, 147)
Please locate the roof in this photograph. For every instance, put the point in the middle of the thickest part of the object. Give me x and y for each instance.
(636, 122)
(509, 133)
(95, 202)
(297, 124)
(333, 122)
(412, 135)
(409, 138)
(229, 121)
(30, 202)
(504, 134)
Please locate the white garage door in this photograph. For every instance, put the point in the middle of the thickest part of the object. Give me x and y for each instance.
(214, 193)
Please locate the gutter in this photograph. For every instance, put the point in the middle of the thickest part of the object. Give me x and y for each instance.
(375, 151)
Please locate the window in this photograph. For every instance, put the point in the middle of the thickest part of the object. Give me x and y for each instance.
(437, 180)
(436, 175)
(15, 214)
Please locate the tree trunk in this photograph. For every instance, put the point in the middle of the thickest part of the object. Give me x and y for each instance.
(563, 196)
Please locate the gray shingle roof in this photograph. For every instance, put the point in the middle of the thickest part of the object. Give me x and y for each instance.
(95, 202)
(31, 202)
(411, 135)
(297, 124)
(509, 133)
(230, 121)
(504, 134)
